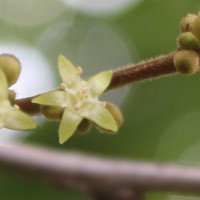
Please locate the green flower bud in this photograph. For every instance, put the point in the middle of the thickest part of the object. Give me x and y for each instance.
(84, 126)
(195, 27)
(11, 67)
(188, 41)
(52, 112)
(185, 23)
(186, 61)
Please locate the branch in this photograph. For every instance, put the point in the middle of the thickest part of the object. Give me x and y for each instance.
(145, 70)
(98, 175)
(154, 68)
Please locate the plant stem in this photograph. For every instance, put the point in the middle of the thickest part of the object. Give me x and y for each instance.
(153, 68)
(97, 175)
(27, 106)
(145, 70)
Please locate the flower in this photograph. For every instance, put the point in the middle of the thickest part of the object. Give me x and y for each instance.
(79, 99)
(10, 116)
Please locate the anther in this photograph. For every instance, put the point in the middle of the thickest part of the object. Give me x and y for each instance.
(63, 86)
(79, 70)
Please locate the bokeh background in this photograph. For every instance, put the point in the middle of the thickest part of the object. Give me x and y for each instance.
(162, 117)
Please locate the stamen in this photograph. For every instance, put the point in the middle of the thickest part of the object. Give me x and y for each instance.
(84, 90)
(79, 70)
(63, 86)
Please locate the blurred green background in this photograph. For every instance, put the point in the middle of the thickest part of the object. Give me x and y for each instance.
(162, 117)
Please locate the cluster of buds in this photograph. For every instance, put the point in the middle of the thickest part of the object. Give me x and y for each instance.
(186, 59)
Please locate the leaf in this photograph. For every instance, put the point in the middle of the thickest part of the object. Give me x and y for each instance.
(68, 125)
(99, 115)
(98, 83)
(68, 72)
(17, 120)
(55, 98)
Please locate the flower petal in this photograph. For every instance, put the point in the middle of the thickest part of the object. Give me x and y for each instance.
(99, 115)
(98, 83)
(68, 72)
(17, 120)
(68, 125)
(3, 86)
(55, 98)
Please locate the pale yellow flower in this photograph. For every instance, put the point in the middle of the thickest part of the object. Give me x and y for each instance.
(79, 99)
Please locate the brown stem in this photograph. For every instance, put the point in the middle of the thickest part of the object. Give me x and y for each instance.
(154, 68)
(98, 175)
(27, 106)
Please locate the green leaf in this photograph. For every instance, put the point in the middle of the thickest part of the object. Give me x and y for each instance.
(17, 120)
(68, 125)
(98, 83)
(3, 86)
(68, 72)
(99, 115)
(55, 98)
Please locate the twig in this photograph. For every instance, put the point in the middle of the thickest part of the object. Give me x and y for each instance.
(145, 70)
(98, 175)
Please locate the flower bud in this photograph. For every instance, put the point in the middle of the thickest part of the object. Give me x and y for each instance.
(11, 68)
(84, 126)
(185, 23)
(186, 61)
(52, 112)
(195, 27)
(188, 40)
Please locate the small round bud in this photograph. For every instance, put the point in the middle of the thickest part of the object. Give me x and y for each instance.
(84, 126)
(185, 23)
(52, 112)
(186, 61)
(11, 67)
(188, 40)
(195, 27)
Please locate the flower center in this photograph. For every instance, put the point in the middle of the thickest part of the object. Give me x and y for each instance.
(82, 93)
